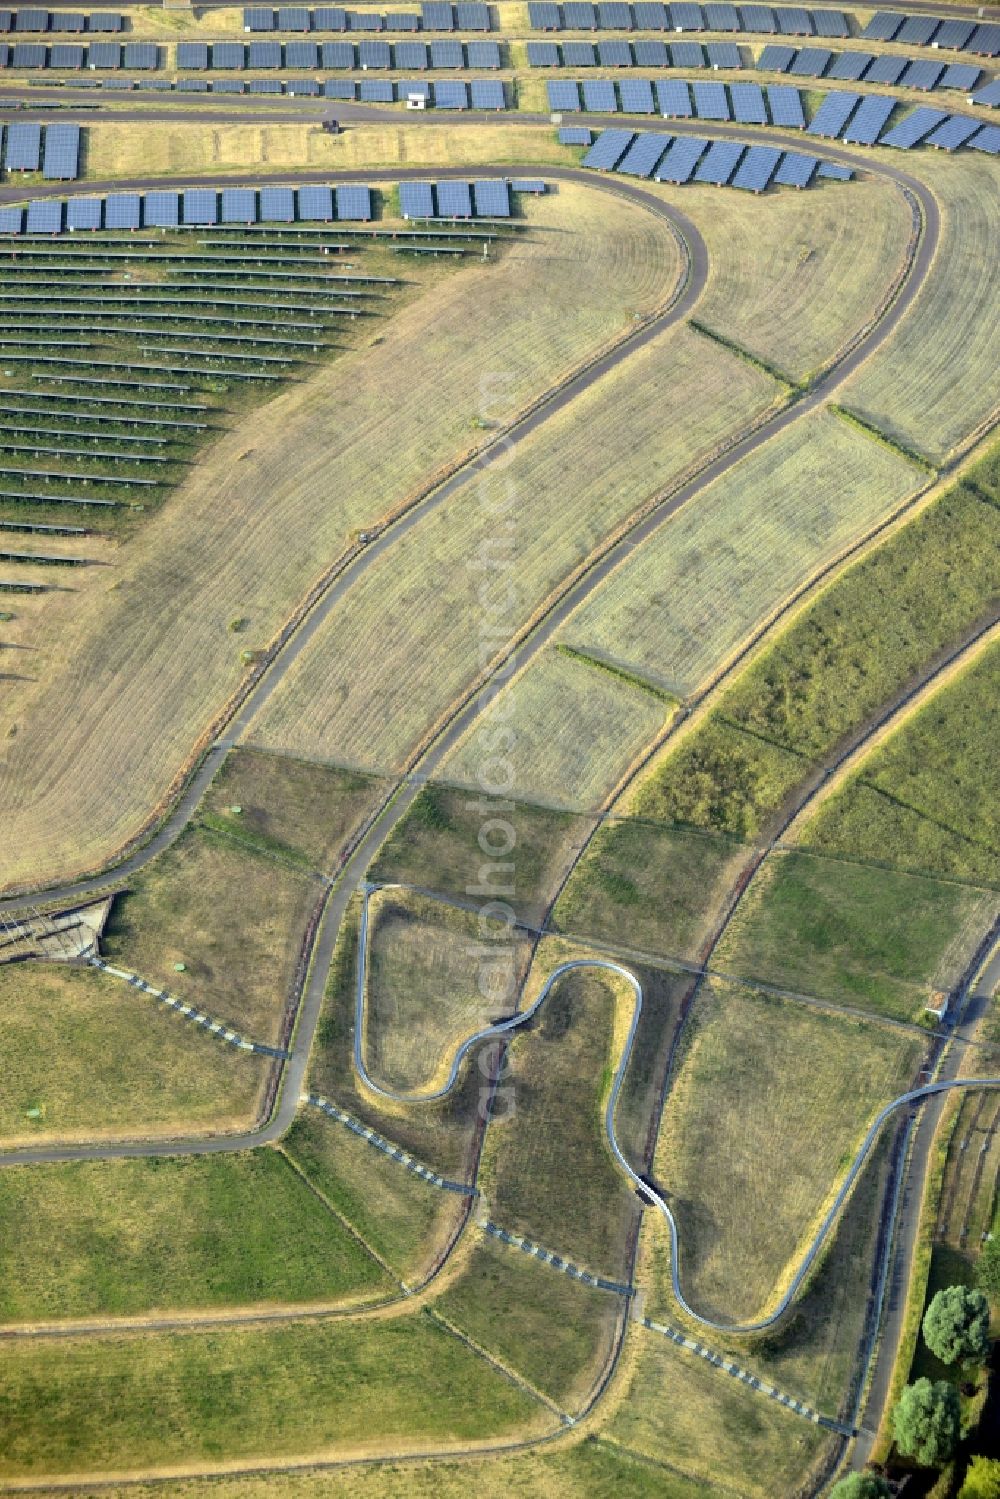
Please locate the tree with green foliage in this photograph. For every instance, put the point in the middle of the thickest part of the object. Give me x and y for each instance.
(925, 1422)
(988, 1269)
(982, 1479)
(957, 1325)
(861, 1486)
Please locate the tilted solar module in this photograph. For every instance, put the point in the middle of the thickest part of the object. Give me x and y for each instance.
(614, 15)
(29, 55)
(869, 120)
(687, 55)
(437, 16)
(358, 20)
(887, 69)
(401, 20)
(31, 20)
(376, 91)
(723, 55)
(954, 132)
(24, 148)
(84, 213)
(445, 53)
(374, 55)
(637, 96)
(674, 98)
(651, 15)
(543, 55)
(114, 83)
(408, 86)
(914, 127)
(830, 23)
(527, 185)
(277, 205)
(681, 159)
(450, 94)
(162, 210)
(104, 20)
(301, 55)
(141, 56)
(416, 200)
(722, 18)
(883, 26)
(608, 150)
(642, 156)
(239, 206)
(492, 199)
(338, 54)
(354, 203)
(482, 54)
(651, 53)
(795, 170)
(11, 220)
(412, 54)
(960, 75)
(579, 15)
(599, 96)
(832, 115)
(543, 16)
(61, 161)
(578, 54)
(849, 66)
(984, 41)
(6, 22)
(922, 73)
(710, 101)
(757, 168)
(66, 55)
(916, 31)
(258, 18)
(472, 17)
(315, 204)
(793, 21)
(122, 211)
(810, 62)
(293, 18)
(954, 34)
(719, 162)
(264, 55)
(227, 54)
(758, 18)
(748, 104)
(579, 135)
(44, 217)
(308, 87)
(990, 95)
(66, 20)
(454, 200)
(338, 88)
(234, 86)
(193, 55)
(834, 171)
(4, 55)
(785, 104)
(200, 205)
(563, 93)
(775, 58)
(687, 17)
(329, 18)
(264, 86)
(614, 53)
(987, 139)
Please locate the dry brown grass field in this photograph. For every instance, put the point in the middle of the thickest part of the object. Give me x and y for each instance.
(151, 658)
(575, 480)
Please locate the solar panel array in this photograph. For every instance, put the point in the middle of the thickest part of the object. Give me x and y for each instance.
(788, 20)
(61, 159)
(675, 98)
(680, 159)
(956, 35)
(203, 206)
(441, 54)
(54, 20)
(433, 17)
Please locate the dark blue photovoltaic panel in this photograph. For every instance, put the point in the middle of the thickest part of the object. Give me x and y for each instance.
(913, 129)
(886, 69)
(410, 55)
(66, 55)
(227, 54)
(869, 120)
(710, 102)
(239, 206)
(104, 55)
(651, 53)
(257, 18)
(984, 41)
(233, 86)
(24, 148)
(849, 66)
(201, 206)
(140, 56)
(564, 93)
(373, 55)
(472, 17)
(775, 58)
(407, 86)
(376, 91)
(396, 20)
(954, 34)
(301, 55)
(614, 53)
(795, 170)
(11, 220)
(338, 54)
(722, 18)
(445, 53)
(416, 200)
(916, 31)
(31, 20)
(792, 21)
(748, 104)
(337, 88)
(719, 162)
(277, 205)
(758, 18)
(354, 204)
(84, 213)
(680, 160)
(786, 107)
(953, 133)
(757, 168)
(810, 62)
(608, 150)
(315, 203)
(544, 16)
(121, 211)
(492, 199)
(44, 217)
(832, 115)
(293, 18)
(65, 20)
(264, 86)
(363, 21)
(883, 26)
(723, 55)
(543, 55)
(104, 20)
(687, 54)
(578, 54)
(834, 171)
(987, 139)
(450, 94)
(989, 95)
(329, 18)
(651, 15)
(599, 96)
(579, 15)
(454, 200)
(674, 98)
(921, 74)
(264, 55)
(437, 16)
(482, 54)
(193, 55)
(687, 17)
(644, 153)
(161, 210)
(29, 55)
(61, 161)
(487, 93)
(960, 75)
(637, 96)
(830, 22)
(579, 135)
(614, 15)
(527, 185)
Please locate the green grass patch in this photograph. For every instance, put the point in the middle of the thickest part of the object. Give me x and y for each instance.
(93, 1238)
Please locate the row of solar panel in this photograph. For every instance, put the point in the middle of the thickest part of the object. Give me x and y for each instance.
(577, 15)
(139, 55)
(454, 200)
(58, 158)
(677, 99)
(933, 31)
(434, 17)
(861, 120)
(59, 20)
(196, 206)
(618, 53)
(439, 54)
(850, 67)
(481, 93)
(666, 158)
